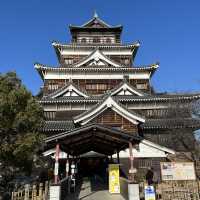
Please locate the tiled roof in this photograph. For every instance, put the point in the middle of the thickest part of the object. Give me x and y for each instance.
(171, 123)
(152, 67)
(94, 45)
(57, 126)
(165, 97)
(125, 98)
(66, 99)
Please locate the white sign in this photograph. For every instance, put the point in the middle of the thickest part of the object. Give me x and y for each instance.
(177, 171)
(54, 192)
(149, 193)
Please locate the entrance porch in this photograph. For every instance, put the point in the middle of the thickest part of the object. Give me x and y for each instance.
(91, 174)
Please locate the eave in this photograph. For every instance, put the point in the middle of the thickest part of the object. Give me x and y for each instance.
(123, 99)
(42, 69)
(171, 123)
(117, 29)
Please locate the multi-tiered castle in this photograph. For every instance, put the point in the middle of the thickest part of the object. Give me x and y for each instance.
(97, 83)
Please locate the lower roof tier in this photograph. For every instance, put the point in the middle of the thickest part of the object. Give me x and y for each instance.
(176, 123)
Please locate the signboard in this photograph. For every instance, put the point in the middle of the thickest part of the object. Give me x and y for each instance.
(114, 184)
(54, 192)
(177, 171)
(149, 193)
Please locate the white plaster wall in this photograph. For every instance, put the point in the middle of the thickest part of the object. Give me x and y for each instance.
(113, 75)
(144, 151)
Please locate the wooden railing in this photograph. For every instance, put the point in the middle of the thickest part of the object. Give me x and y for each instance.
(32, 192)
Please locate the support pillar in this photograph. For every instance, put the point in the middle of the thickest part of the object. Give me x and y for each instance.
(132, 170)
(118, 160)
(56, 167)
(133, 187)
(67, 167)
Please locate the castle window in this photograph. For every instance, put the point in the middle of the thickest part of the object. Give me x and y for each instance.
(141, 86)
(50, 115)
(68, 61)
(96, 40)
(83, 40)
(97, 86)
(108, 40)
(52, 86)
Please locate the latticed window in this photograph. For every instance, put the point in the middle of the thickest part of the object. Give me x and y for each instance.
(108, 40)
(83, 40)
(49, 115)
(97, 86)
(96, 40)
(141, 86)
(52, 86)
(69, 61)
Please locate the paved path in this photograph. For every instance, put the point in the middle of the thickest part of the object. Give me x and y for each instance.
(93, 190)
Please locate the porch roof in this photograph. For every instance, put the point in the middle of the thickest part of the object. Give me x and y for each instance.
(92, 137)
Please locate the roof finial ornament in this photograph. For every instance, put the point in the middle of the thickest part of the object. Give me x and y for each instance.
(95, 14)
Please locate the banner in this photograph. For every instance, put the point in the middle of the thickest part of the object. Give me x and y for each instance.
(177, 171)
(114, 184)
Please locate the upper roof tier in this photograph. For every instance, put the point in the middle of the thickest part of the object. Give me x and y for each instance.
(88, 32)
(96, 23)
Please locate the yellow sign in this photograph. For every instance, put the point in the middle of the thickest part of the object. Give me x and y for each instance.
(114, 185)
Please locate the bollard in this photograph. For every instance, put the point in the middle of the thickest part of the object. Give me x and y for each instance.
(41, 191)
(26, 190)
(46, 189)
(34, 192)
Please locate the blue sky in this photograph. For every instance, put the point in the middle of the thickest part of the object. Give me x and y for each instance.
(169, 32)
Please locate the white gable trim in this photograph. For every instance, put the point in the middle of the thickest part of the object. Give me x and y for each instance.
(97, 56)
(147, 149)
(157, 146)
(126, 87)
(109, 103)
(70, 88)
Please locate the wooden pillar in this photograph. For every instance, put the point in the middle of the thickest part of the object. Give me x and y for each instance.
(56, 167)
(118, 160)
(131, 158)
(67, 166)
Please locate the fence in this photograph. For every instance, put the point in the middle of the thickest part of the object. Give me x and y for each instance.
(32, 192)
(175, 190)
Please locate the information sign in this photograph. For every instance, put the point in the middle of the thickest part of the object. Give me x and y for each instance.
(177, 171)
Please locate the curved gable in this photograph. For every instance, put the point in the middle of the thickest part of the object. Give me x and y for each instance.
(87, 116)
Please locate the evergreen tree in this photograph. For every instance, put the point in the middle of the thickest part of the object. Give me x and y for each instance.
(20, 118)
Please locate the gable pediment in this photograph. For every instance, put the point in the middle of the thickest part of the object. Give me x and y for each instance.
(96, 58)
(68, 91)
(108, 103)
(126, 89)
(96, 23)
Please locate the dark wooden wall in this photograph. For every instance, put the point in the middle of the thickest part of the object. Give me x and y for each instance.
(94, 86)
(111, 118)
